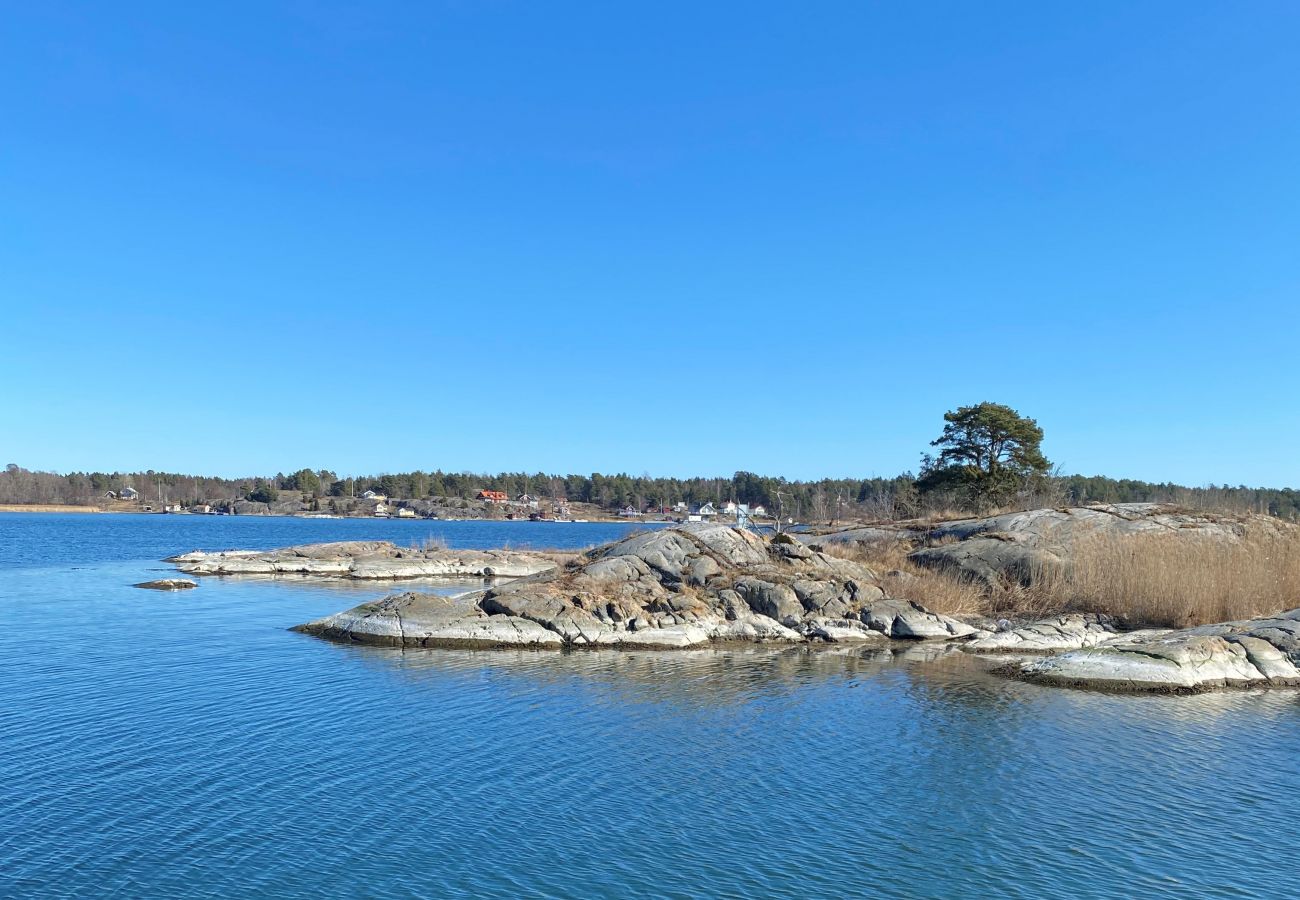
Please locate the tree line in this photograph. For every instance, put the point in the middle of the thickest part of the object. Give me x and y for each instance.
(902, 496)
(989, 457)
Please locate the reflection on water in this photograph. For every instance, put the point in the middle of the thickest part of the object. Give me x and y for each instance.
(189, 745)
(706, 676)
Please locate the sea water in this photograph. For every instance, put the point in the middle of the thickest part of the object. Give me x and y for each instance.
(189, 745)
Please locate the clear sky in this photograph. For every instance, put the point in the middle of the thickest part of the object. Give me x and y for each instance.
(674, 238)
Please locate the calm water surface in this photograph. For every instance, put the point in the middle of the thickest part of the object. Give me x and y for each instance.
(187, 745)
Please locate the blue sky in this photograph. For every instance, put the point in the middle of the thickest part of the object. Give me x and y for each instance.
(674, 238)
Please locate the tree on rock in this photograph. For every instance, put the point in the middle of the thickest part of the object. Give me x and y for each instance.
(988, 453)
(263, 492)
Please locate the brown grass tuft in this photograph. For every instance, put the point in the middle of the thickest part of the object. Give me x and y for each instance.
(900, 577)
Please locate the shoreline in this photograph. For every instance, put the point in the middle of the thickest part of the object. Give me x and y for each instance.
(51, 508)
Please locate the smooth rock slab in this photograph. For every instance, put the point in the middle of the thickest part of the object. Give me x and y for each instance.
(429, 620)
(167, 584)
(1264, 651)
(1068, 632)
(844, 631)
(906, 620)
(367, 560)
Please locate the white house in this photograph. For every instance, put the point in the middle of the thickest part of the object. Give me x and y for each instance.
(758, 510)
(729, 507)
(128, 493)
(371, 495)
(381, 509)
(406, 513)
(706, 511)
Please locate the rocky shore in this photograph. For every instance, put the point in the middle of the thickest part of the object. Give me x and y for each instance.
(375, 560)
(688, 586)
(1251, 653)
(698, 585)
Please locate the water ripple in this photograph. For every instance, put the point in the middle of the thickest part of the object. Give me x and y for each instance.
(189, 746)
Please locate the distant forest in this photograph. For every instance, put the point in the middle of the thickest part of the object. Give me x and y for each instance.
(829, 498)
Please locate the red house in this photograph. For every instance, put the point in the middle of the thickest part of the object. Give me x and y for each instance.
(492, 496)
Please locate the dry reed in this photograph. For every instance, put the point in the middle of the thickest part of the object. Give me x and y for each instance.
(1159, 580)
(1178, 580)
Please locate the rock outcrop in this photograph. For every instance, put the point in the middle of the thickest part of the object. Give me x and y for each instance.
(1053, 635)
(1264, 651)
(681, 587)
(364, 560)
(1019, 547)
(167, 584)
(429, 620)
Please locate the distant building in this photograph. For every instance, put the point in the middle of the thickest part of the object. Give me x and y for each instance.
(173, 508)
(527, 500)
(729, 508)
(110, 495)
(629, 512)
(381, 509)
(706, 511)
(758, 510)
(128, 493)
(201, 508)
(493, 496)
(406, 513)
(371, 495)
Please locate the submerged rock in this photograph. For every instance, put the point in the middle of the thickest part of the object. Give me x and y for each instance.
(376, 560)
(167, 584)
(673, 588)
(1263, 651)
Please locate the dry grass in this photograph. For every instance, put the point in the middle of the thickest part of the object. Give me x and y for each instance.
(564, 559)
(900, 577)
(1155, 580)
(430, 544)
(1179, 580)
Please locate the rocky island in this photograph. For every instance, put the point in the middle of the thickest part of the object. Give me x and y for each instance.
(701, 584)
(687, 586)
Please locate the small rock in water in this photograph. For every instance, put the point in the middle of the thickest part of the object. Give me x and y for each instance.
(168, 584)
